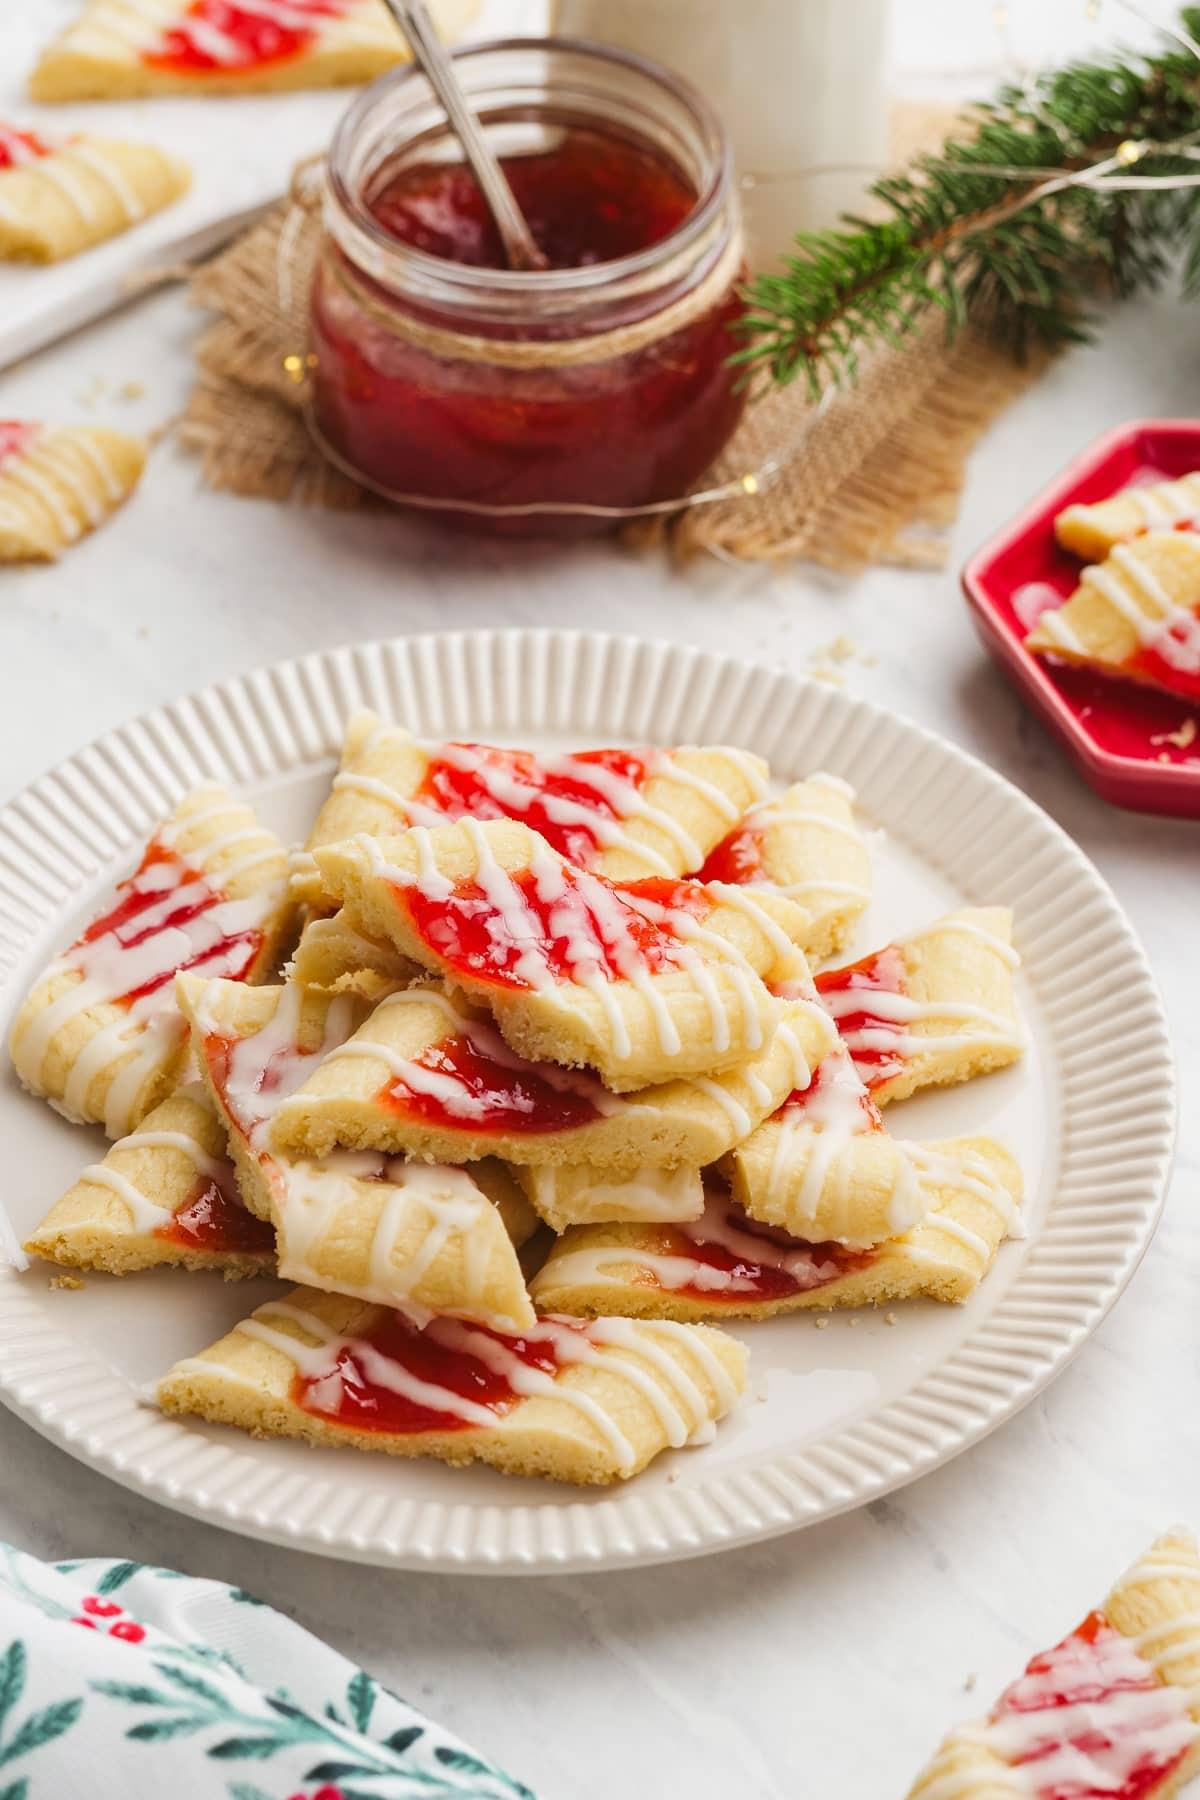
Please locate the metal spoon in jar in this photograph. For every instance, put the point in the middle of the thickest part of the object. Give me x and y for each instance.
(414, 20)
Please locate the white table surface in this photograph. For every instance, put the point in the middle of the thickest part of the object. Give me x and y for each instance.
(826, 1663)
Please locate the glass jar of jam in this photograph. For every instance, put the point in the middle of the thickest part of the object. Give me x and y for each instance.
(559, 400)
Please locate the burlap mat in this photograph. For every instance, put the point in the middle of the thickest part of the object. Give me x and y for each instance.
(875, 477)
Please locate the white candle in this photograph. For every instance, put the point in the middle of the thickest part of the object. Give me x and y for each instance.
(798, 85)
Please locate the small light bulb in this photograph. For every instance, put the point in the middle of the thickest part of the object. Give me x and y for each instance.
(1128, 153)
(749, 484)
(294, 367)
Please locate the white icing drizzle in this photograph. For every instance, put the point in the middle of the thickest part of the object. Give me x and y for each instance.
(1060, 631)
(57, 171)
(275, 1051)
(730, 1105)
(1094, 1743)
(895, 1011)
(86, 446)
(15, 151)
(722, 1223)
(143, 951)
(814, 1131)
(588, 917)
(822, 778)
(1169, 630)
(139, 25)
(1155, 503)
(964, 1172)
(513, 795)
(25, 471)
(452, 1093)
(446, 1201)
(308, 1197)
(109, 173)
(618, 1345)
(146, 1214)
(652, 1196)
(970, 928)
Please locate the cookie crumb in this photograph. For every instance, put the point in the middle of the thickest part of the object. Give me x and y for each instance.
(832, 677)
(889, 1318)
(132, 390)
(67, 1281)
(1183, 738)
(853, 1320)
(820, 1324)
(969, 1683)
(1164, 756)
(93, 393)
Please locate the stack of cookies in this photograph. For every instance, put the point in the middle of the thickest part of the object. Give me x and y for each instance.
(546, 1092)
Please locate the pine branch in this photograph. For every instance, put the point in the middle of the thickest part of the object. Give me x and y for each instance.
(954, 235)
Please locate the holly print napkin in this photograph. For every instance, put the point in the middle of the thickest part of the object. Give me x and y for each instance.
(119, 1679)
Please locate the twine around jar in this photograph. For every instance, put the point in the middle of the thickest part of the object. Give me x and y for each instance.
(548, 353)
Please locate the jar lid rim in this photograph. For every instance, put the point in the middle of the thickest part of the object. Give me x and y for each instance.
(561, 283)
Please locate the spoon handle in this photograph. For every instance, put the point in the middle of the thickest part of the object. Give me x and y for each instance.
(414, 19)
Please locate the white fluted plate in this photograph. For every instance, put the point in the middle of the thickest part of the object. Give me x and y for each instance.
(834, 1416)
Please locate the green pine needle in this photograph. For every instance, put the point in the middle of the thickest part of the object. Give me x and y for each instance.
(949, 234)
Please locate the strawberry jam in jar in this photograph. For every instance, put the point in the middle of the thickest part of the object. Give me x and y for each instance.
(549, 401)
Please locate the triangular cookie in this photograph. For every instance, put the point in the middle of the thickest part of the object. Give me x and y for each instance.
(430, 1075)
(1136, 615)
(165, 1194)
(120, 48)
(57, 483)
(59, 198)
(1094, 529)
(431, 1239)
(100, 1035)
(805, 844)
(585, 1403)
(931, 1009)
(724, 1265)
(623, 813)
(641, 982)
(1111, 1710)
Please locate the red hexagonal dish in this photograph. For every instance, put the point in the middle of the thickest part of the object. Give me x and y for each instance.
(1116, 732)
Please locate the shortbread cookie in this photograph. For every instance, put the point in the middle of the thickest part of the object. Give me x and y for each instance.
(100, 1035)
(726, 1265)
(563, 1197)
(58, 199)
(431, 1076)
(823, 1167)
(165, 1194)
(1093, 531)
(375, 1227)
(587, 1403)
(623, 813)
(57, 483)
(932, 1009)
(1112, 1710)
(805, 844)
(1136, 615)
(333, 955)
(120, 48)
(640, 982)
